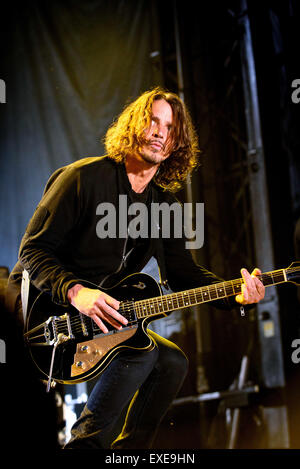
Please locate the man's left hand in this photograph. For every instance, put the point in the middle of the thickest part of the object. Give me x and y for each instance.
(252, 290)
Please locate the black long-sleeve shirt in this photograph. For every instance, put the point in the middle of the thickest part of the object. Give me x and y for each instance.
(61, 247)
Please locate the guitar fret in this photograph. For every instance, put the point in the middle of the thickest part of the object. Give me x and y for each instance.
(220, 290)
(280, 276)
(268, 280)
(138, 309)
(199, 293)
(187, 300)
(180, 299)
(236, 287)
(229, 289)
(233, 287)
(213, 292)
(176, 301)
(194, 293)
(272, 278)
(170, 304)
(206, 296)
(144, 313)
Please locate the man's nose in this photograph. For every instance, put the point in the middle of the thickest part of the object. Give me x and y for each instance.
(157, 132)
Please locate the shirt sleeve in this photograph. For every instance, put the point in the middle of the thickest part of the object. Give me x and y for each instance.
(53, 219)
(184, 273)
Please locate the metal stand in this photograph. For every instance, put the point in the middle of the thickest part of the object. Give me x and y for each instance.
(231, 401)
(236, 412)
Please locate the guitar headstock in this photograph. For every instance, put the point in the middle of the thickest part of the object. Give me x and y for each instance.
(293, 273)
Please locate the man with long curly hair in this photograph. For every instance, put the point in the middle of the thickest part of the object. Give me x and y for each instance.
(150, 150)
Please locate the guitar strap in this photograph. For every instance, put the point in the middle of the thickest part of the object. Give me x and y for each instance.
(159, 249)
(161, 264)
(25, 293)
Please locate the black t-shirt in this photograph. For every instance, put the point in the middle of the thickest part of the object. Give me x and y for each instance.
(136, 246)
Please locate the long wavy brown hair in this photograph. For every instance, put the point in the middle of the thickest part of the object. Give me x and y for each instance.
(127, 134)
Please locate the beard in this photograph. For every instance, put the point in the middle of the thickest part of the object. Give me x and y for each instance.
(152, 154)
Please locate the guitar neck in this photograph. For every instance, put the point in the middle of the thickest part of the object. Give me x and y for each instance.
(188, 298)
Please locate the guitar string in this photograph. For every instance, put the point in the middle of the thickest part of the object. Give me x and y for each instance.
(76, 324)
(197, 293)
(78, 328)
(228, 286)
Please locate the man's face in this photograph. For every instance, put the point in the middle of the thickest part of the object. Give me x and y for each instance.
(158, 145)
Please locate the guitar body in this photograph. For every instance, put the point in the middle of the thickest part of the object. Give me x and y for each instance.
(82, 350)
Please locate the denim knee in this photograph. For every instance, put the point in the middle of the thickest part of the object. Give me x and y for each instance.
(171, 359)
(173, 362)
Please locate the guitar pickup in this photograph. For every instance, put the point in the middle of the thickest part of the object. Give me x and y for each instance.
(83, 325)
(70, 333)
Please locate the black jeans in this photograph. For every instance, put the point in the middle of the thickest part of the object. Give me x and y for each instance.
(150, 380)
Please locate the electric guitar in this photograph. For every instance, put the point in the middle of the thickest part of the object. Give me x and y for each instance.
(68, 347)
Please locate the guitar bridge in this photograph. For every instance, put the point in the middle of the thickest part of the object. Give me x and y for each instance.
(57, 325)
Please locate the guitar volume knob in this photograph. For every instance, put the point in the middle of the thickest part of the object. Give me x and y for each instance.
(84, 348)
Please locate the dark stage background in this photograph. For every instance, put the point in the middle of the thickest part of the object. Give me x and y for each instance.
(69, 69)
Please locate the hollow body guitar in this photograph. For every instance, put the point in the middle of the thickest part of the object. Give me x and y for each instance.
(82, 350)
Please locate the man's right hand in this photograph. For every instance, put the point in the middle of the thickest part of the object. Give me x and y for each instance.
(97, 305)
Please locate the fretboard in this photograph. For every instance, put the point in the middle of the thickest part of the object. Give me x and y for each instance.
(195, 296)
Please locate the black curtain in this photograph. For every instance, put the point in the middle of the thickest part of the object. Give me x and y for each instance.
(69, 68)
